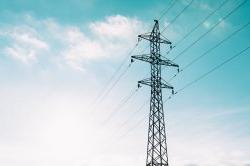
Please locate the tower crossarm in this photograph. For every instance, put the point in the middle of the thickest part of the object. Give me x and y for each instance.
(167, 62)
(148, 82)
(157, 146)
(143, 57)
(148, 36)
(165, 84)
(160, 60)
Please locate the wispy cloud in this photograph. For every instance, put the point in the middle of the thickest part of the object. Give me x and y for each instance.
(210, 23)
(113, 36)
(24, 44)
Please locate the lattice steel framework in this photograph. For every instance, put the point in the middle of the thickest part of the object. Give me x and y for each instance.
(157, 144)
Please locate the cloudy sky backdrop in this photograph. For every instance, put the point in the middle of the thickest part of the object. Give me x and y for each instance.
(57, 56)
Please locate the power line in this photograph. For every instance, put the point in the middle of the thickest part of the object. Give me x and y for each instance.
(114, 74)
(213, 27)
(121, 105)
(211, 49)
(189, 84)
(125, 122)
(114, 83)
(178, 15)
(156, 131)
(209, 71)
(135, 112)
(215, 46)
(213, 69)
(134, 127)
(124, 61)
(167, 10)
(171, 22)
(148, 46)
(198, 25)
(130, 53)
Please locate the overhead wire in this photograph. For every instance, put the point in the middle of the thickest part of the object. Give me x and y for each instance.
(210, 71)
(208, 31)
(178, 15)
(167, 9)
(204, 75)
(188, 85)
(213, 69)
(121, 105)
(134, 113)
(114, 83)
(215, 46)
(100, 94)
(99, 98)
(202, 22)
(172, 21)
(211, 49)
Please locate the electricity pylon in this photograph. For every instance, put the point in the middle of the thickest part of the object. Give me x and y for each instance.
(157, 144)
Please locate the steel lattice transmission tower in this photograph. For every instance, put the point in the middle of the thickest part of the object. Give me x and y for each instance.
(157, 145)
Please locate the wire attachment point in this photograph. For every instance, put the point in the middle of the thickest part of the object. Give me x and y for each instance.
(139, 85)
(132, 60)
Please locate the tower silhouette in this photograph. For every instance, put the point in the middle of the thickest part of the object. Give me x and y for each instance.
(157, 145)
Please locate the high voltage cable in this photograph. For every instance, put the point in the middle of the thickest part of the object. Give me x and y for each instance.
(198, 25)
(215, 24)
(213, 69)
(189, 84)
(215, 46)
(178, 15)
(167, 10)
(217, 67)
(125, 59)
(114, 74)
(125, 100)
(135, 112)
(182, 11)
(213, 27)
(125, 122)
(211, 49)
(120, 106)
(134, 127)
(202, 76)
(222, 4)
(114, 83)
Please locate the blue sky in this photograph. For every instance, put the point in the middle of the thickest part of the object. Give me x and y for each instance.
(56, 57)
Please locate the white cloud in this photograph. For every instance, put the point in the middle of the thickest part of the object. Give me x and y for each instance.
(25, 44)
(113, 36)
(209, 24)
(115, 27)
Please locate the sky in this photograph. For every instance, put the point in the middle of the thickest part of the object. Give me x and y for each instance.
(59, 108)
